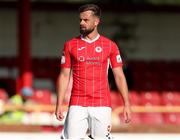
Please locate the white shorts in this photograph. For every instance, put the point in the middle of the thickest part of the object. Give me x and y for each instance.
(95, 120)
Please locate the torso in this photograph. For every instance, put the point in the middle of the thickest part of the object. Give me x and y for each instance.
(90, 62)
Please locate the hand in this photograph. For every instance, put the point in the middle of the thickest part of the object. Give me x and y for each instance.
(59, 113)
(127, 114)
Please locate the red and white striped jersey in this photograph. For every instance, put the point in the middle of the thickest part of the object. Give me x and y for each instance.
(89, 62)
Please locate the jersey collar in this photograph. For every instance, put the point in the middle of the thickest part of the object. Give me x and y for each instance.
(90, 41)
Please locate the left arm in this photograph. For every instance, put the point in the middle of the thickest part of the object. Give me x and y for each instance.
(123, 89)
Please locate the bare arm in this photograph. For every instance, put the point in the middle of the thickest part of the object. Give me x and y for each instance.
(123, 89)
(63, 81)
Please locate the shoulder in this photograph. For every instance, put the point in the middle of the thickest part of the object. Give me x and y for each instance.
(107, 40)
(72, 41)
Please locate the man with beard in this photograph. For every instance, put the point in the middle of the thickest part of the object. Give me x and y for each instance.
(88, 57)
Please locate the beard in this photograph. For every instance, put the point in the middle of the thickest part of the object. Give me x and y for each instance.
(85, 32)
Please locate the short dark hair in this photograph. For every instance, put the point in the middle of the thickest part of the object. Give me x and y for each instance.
(92, 7)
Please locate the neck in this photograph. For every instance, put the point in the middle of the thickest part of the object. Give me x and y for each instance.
(91, 36)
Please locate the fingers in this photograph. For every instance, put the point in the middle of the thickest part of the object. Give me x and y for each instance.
(59, 115)
(127, 116)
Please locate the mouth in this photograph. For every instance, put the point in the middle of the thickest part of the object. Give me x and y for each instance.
(82, 27)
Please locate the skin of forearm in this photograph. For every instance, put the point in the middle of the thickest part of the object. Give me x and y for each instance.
(122, 88)
(62, 87)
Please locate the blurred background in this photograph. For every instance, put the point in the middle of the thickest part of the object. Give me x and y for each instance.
(32, 34)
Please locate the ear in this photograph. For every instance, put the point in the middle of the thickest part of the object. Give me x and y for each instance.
(97, 21)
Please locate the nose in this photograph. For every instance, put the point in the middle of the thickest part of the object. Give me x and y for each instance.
(81, 22)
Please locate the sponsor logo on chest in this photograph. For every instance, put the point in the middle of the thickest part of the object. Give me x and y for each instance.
(87, 57)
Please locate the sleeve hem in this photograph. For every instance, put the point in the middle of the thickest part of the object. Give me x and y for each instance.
(120, 65)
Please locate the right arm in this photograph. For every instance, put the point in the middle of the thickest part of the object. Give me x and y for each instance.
(63, 81)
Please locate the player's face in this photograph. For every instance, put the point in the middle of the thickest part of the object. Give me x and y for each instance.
(88, 22)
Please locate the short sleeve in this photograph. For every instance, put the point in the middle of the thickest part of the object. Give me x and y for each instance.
(115, 57)
(66, 58)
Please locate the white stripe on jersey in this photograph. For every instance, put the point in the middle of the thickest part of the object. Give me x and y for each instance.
(78, 74)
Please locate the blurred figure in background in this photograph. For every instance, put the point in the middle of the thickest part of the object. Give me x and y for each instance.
(88, 57)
